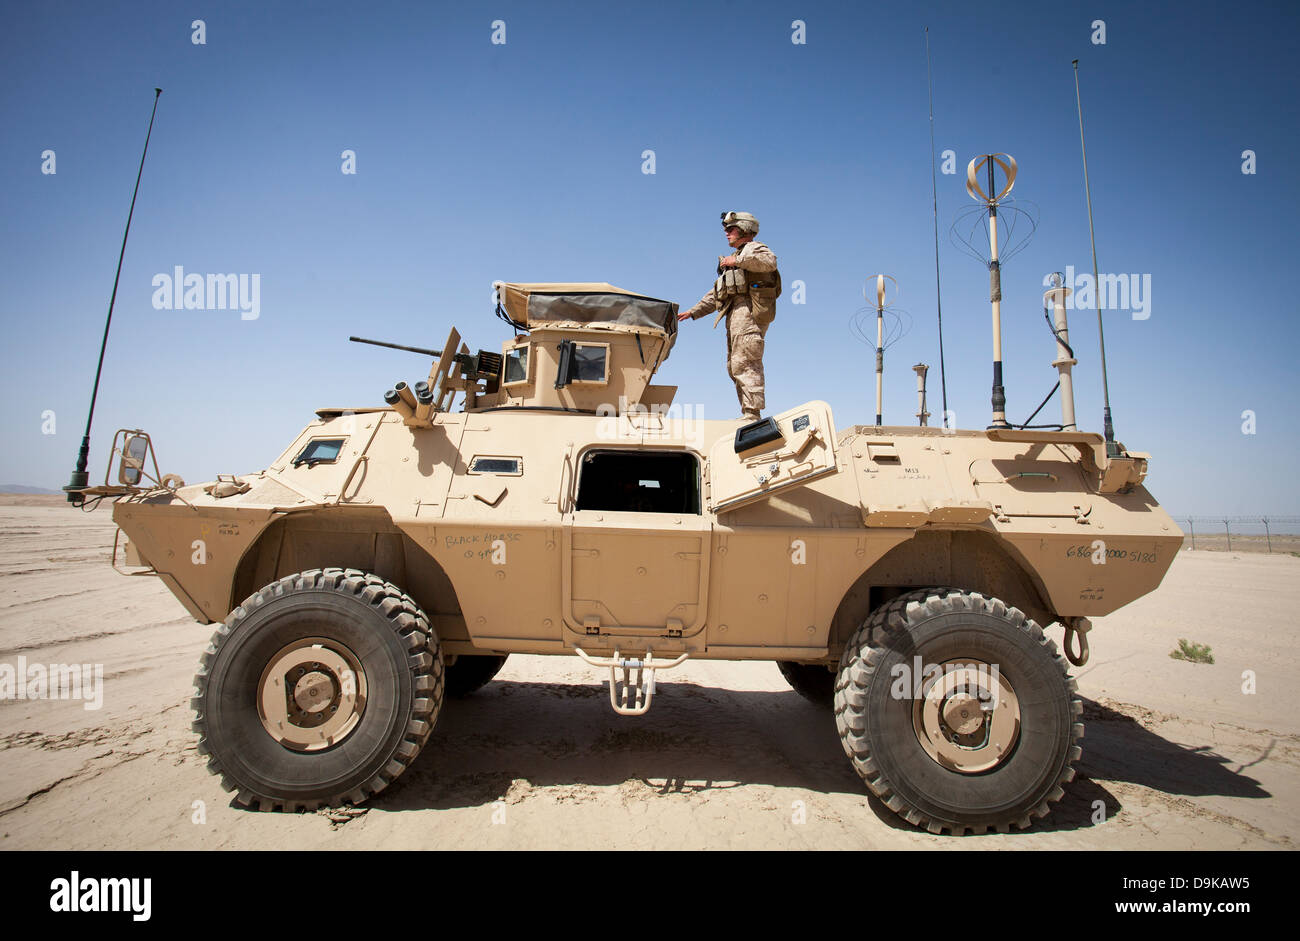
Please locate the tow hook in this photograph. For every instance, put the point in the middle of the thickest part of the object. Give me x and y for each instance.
(631, 694)
(1076, 627)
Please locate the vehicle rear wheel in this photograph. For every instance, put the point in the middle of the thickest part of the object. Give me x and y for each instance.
(812, 681)
(320, 688)
(467, 674)
(957, 711)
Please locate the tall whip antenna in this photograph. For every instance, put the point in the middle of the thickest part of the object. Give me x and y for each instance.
(80, 478)
(934, 203)
(1112, 450)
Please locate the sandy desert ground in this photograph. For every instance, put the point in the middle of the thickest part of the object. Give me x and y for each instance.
(1175, 756)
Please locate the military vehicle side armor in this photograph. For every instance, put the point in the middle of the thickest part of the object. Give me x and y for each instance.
(903, 576)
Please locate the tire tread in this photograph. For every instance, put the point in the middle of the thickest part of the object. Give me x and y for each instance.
(862, 656)
(406, 620)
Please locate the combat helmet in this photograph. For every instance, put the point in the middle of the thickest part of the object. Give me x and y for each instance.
(741, 220)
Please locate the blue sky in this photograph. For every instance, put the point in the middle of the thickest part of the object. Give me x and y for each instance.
(523, 161)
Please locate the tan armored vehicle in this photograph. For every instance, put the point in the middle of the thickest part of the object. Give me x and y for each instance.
(393, 555)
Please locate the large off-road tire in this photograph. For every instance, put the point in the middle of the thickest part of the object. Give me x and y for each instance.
(812, 681)
(940, 760)
(467, 674)
(319, 689)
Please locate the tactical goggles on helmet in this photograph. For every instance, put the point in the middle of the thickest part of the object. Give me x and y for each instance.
(742, 221)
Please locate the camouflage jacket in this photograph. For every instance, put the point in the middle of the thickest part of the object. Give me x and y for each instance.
(754, 257)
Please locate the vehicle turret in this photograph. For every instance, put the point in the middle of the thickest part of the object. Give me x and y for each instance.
(577, 347)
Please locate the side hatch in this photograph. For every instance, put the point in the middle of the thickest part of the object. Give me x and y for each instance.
(764, 457)
(637, 544)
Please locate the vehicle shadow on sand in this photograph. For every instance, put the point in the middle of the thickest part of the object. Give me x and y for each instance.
(512, 737)
(1117, 747)
(694, 739)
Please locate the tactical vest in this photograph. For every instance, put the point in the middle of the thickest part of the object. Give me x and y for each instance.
(763, 288)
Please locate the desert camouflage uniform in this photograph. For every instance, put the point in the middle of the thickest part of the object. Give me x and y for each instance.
(748, 317)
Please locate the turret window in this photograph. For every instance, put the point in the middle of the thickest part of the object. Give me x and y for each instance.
(516, 365)
(589, 363)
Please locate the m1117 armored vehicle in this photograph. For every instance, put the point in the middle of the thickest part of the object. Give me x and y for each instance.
(392, 555)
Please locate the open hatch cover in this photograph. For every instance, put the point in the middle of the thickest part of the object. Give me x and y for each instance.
(802, 449)
(581, 303)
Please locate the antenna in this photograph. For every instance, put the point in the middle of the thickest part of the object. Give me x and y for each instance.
(1056, 295)
(80, 479)
(990, 201)
(1001, 246)
(884, 338)
(1112, 449)
(880, 343)
(922, 413)
(934, 204)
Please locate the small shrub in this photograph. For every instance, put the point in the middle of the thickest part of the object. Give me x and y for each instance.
(1193, 653)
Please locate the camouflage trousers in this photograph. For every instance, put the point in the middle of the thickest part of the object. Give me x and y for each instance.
(745, 342)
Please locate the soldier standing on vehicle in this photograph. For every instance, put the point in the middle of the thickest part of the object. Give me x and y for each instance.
(745, 293)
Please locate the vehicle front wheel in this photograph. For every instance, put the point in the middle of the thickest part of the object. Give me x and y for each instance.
(320, 688)
(957, 711)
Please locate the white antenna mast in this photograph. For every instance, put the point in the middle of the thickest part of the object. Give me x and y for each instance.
(990, 200)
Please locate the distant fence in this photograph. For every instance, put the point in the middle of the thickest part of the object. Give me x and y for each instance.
(1218, 527)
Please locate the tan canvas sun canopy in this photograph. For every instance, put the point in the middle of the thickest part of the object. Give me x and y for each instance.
(584, 302)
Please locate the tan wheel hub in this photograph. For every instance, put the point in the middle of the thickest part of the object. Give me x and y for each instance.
(968, 720)
(312, 694)
(962, 714)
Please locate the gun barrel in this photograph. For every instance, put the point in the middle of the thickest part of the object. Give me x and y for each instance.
(397, 346)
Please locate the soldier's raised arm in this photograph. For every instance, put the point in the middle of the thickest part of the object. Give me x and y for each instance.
(707, 305)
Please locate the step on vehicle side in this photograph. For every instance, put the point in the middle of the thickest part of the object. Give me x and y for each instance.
(903, 576)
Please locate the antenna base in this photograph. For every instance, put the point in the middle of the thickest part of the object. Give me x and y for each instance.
(1112, 449)
(999, 399)
(80, 477)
